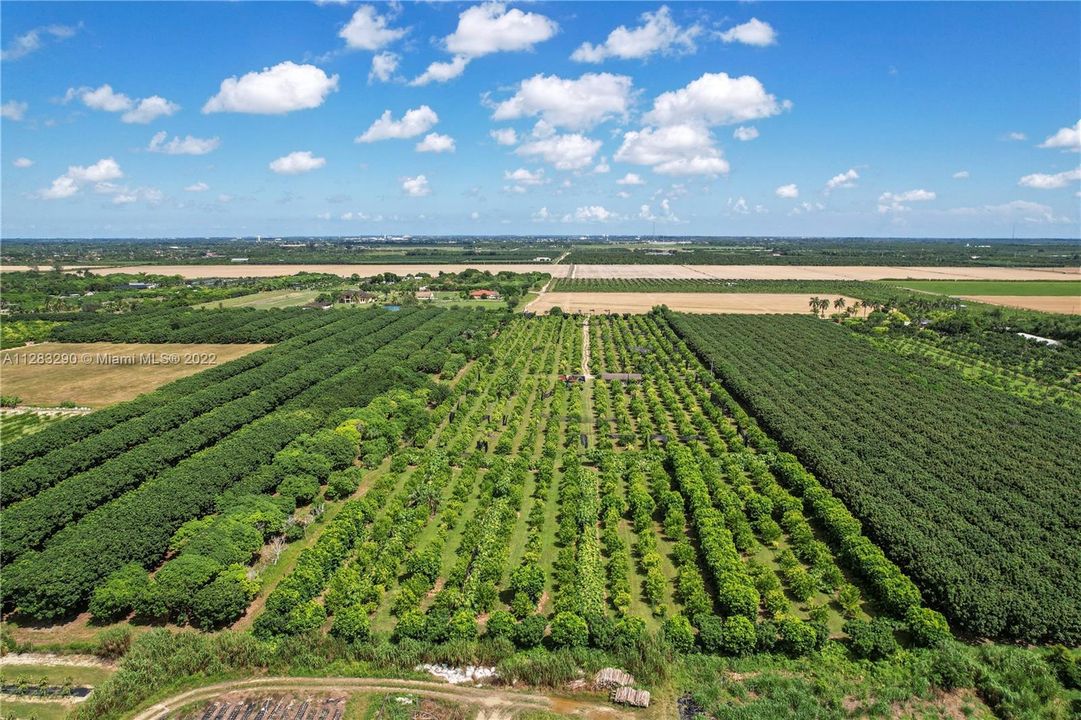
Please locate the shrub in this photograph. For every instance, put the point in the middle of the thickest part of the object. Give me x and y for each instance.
(462, 626)
(343, 483)
(738, 636)
(113, 643)
(175, 585)
(569, 630)
(224, 600)
(871, 640)
(500, 624)
(927, 627)
(116, 597)
(797, 637)
(529, 632)
(302, 488)
(352, 624)
(679, 634)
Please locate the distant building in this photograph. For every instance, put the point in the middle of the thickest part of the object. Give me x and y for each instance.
(238, 259)
(141, 286)
(424, 294)
(484, 294)
(318, 306)
(357, 297)
(542, 258)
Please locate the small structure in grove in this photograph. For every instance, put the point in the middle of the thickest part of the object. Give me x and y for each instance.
(621, 684)
(424, 294)
(357, 297)
(318, 306)
(483, 294)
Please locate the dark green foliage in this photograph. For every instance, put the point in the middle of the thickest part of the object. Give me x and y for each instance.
(116, 597)
(679, 634)
(172, 591)
(343, 483)
(529, 632)
(569, 630)
(351, 623)
(223, 601)
(302, 488)
(872, 640)
(970, 491)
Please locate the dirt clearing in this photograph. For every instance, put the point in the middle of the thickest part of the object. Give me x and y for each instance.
(100, 374)
(739, 303)
(1060, 304)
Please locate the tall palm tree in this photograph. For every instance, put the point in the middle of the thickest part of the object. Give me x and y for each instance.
(814, 304)
(839, 304)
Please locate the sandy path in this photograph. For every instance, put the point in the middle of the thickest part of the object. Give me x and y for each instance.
(52, 659)
(718, 272)
(741, 303)
(1055, 304)
(490, 699)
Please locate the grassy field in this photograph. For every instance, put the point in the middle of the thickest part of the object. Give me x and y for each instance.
(16, 424)
(100, 374)
(57, 674)
(1035, 288)
(267, 299)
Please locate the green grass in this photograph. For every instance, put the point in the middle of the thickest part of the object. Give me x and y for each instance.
(1029, 288)
(57, 674)
(15, 425)
(267, 299)
(37, 710)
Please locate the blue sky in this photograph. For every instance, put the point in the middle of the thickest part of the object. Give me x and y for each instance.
(881, 119)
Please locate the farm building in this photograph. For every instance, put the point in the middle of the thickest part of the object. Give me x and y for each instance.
(484, 294)
(424, 294)
(318, 306)
(357, 297)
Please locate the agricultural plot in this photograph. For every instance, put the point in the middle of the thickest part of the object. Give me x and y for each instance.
(104, 494)
(702, 285)
(971, 491)
(100, 374)
(266, 299)
(1034, 288)
(586, 513)
(16, 423)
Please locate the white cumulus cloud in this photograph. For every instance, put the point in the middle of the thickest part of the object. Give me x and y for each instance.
(753, 32)
(504, 136)
(846, 179)
(68, 184)
(22, 162)
(715, 99)
(1067, 138)
(187, 146)
(594, 213)
(149, 109)
(565, 152)
(743, 134)
(197, 187)
(416, 186)
(898, 202)
(657, 33)
(489, 27)
(368, 30)
(574, 104)
(441, 72)
(787, 191)
(14, 110)
(274, 91)
(299, 161)
(384, 65)
(1042, 181)
(961, 175)
(630, 179)
(414, 122)
(436, 143)
(673, 150)
(522, 176)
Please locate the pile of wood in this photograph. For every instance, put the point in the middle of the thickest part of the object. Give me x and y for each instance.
(630, 696)
(622, 686)
(609, 678)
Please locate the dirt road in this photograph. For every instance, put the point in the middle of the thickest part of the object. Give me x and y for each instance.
(490, 700)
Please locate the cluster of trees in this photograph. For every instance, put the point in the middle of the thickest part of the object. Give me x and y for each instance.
(700, 285)
(136, 526)
(977, 503)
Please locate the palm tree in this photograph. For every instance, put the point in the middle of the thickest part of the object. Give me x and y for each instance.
(814, 304)
(839, 304)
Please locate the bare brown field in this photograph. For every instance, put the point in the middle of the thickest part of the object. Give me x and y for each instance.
(1063, 304)
(738, 303)
(678, 272)
(100, 374)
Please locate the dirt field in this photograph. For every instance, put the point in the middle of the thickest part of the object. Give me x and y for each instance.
(739, 303)
(100, 374)
(717, 272)
(1060, 304)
